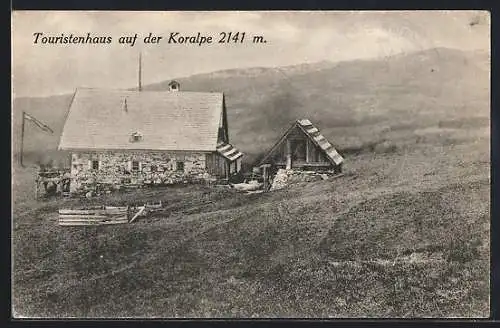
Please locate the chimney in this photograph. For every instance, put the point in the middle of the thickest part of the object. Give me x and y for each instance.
(125, 107)
(174, 86)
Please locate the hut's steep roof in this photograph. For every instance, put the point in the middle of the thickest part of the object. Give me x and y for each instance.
(321, 141)
(163, 120)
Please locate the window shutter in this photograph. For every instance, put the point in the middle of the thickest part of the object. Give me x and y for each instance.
(90, 165)
(129, 166)
(140, 167)
(100, 165)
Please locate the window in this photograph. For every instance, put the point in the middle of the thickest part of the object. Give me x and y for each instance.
(153, 168)
(95, 165)
(135, 166)
(180, 166)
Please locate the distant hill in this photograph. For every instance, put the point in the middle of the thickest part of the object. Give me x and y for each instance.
(352, 102)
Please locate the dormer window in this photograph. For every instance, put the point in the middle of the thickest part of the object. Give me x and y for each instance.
(136, 137)
(174, 86)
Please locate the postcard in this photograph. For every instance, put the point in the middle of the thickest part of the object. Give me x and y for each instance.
(251, 164)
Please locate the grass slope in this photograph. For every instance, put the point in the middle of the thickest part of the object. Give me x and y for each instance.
(404, 234)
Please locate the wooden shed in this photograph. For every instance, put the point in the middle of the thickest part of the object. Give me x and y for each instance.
(303, 147)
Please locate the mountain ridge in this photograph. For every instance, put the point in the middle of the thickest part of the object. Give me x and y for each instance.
(346, 99)
(312, 66)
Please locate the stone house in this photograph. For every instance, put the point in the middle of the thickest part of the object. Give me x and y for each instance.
(133, 138)
(303, 147)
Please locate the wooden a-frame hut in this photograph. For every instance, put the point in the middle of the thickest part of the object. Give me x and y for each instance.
(303, 147)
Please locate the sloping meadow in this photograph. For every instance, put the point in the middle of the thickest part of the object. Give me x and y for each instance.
(361, 246)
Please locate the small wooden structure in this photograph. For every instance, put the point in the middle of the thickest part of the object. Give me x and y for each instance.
(52, 182)
(94, 216)
(302, 147)
(103, 215)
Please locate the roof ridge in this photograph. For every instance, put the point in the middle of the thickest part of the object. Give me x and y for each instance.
(148, 91)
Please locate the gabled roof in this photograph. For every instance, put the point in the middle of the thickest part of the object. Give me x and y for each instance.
(315, 136)
(321, 141)
(107, 119)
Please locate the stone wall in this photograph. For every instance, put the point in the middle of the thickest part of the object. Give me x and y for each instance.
(116, 169)
(284, 178)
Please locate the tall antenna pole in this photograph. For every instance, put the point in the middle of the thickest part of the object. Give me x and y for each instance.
(22, 143)
(140, 71)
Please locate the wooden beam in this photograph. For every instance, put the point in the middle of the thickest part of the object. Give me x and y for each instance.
(265, 169)
(137, 214)
(307, 150)
(288, 154)
(317, 164)
(278, 143)
(36, 186)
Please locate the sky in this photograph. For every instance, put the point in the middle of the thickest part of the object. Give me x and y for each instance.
(292, 38)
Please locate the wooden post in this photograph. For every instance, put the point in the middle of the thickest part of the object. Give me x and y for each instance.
(265, 173)
(288, 154)
(22, 142)
(36, 186)
(307, 150)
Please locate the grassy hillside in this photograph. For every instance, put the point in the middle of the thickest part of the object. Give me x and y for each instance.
(404, 234)
(354, 103)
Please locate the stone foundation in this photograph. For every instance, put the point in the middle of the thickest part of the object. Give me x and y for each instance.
(117, 169)
(284, 178)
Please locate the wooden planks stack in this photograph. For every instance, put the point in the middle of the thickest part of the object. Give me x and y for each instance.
(97, 216)
(105, 214)
(153, 206)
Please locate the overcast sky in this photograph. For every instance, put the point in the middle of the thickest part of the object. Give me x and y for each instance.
(292, 38)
